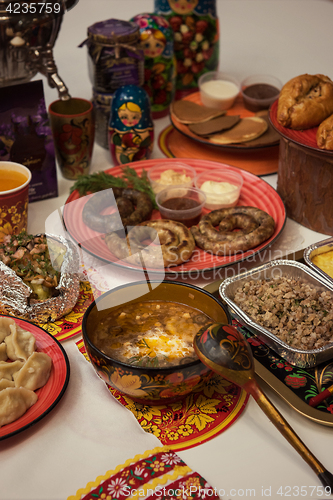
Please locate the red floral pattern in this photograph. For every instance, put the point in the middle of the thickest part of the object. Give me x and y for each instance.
(196, 418)
(70, 325)
(129, 479)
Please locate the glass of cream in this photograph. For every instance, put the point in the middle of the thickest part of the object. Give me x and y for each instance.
(218, 90)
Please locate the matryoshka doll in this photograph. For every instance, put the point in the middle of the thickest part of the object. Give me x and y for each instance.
(156, 37)
(131, 128)
(196, 39)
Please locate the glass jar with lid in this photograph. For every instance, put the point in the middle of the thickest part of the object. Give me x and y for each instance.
(115, 57)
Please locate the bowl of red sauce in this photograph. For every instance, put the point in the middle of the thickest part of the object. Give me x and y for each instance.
(181, 204)
(260, 91)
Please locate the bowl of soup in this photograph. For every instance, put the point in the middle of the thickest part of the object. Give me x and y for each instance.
(139, 338)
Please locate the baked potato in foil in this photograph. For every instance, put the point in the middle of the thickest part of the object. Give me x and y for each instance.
(39, 277)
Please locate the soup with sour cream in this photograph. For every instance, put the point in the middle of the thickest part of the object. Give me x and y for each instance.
(152, 333)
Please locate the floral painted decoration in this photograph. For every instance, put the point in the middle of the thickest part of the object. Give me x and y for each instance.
(13, 218)
(196, 35)
(198, 417)
(157, 42)
(157, 474)
(305, 383)
(131, 129)
(70, 325)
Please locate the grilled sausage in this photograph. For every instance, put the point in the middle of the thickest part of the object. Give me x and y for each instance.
(255, 226)
(92, 217)
(176, 244)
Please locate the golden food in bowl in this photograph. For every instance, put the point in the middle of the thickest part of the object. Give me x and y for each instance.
(325, 262)
(140, 339)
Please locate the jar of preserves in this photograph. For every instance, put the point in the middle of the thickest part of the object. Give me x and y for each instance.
(115, 57)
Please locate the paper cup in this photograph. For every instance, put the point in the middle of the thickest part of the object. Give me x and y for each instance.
(14, 198)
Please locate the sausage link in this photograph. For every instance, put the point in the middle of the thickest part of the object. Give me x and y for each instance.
(176, 244)
(92, 217)
(255, 225)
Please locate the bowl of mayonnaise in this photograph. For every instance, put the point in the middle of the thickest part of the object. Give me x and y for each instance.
(222, 187)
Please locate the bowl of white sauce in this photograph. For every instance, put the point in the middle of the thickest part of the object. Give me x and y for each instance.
(222, 187)
(218, 90)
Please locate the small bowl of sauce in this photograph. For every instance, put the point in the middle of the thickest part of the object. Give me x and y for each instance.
(181, 204)
(218, 90)
(260, 91)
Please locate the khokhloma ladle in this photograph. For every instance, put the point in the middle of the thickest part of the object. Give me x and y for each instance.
(223, 349)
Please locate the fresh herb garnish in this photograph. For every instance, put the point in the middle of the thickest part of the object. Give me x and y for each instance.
(143, 343)
(99, 181)
(96, 182)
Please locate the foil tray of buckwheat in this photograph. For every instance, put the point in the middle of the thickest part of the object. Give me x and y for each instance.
(288, 306)
(319, 256)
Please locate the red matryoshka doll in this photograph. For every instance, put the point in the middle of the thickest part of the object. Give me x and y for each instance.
(156, 38)
(131, 129)
(196, 39)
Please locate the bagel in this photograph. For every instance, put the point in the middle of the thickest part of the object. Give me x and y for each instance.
(176, 244)
(254, 227)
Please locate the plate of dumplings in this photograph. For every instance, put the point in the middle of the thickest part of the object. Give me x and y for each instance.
(34, 374)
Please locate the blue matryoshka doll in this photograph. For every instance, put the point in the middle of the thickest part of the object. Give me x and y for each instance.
(156, 39)
(131, 129)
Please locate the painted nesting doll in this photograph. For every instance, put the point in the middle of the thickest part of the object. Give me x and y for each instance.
(196, 39)
(157, 43)
(131, 128)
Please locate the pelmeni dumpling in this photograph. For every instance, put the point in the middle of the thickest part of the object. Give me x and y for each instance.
(7, 370)
(4, 383)
(4, 327)
(3, 351)
(35, 371)
(20, 343)
(14, 402)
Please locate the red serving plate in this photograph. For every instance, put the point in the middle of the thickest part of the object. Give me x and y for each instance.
(49, 395)
(255, 192)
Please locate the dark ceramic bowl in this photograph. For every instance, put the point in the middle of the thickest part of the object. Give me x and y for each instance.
(149, 385)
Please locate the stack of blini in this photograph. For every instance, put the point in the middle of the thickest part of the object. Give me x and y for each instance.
(220, 128)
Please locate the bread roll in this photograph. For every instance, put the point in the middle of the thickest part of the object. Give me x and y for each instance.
(305, 101)
(325, 134)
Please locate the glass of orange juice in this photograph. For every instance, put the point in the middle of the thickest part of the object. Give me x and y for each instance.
(14, 198)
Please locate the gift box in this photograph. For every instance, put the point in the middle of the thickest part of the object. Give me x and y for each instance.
(26, 137)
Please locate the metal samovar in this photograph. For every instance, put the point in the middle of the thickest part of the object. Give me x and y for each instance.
(27, 39)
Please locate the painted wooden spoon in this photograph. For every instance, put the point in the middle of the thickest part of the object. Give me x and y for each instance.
(223, 349)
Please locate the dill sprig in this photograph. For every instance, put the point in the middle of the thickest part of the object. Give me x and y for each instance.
(98, 181)
(92, 183)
